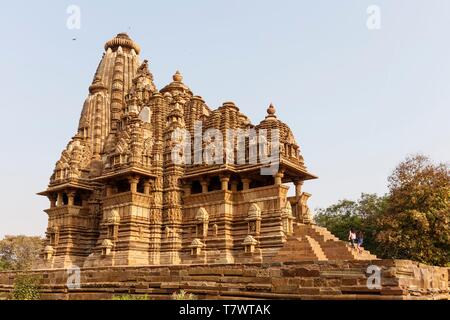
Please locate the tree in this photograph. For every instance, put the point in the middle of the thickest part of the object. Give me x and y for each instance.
(416, 222)
(410, 222)
(19, 252)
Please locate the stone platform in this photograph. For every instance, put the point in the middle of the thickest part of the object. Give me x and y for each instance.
(337, 280)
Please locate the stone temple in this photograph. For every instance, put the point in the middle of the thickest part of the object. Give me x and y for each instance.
(117, 198)
(127, 216)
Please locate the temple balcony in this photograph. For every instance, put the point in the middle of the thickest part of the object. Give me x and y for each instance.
(66, 210)
(225, 203)
(236, 196)
(127, 197)
(279, 191)
(208, 197)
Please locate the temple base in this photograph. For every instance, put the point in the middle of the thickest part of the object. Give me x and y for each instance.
(338, 280)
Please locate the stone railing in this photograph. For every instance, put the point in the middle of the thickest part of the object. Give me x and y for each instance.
(66, 210)
(126, 197)
(209, 197)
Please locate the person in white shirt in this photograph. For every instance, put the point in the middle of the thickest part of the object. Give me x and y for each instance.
(352, 237)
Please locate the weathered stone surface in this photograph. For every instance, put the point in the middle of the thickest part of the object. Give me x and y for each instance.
(292, 281)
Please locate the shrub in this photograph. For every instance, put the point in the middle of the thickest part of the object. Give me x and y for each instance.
(26, 287)
(183, 295)
(129, 297)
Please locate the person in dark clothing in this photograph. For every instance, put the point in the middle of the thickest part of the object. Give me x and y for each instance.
(360, 240)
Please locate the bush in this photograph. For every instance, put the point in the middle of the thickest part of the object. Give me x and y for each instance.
(183, 295)
(26, 287)
(130, 297)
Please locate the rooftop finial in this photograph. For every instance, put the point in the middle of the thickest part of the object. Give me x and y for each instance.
(271, 110)
(271, 113)
(177, 77)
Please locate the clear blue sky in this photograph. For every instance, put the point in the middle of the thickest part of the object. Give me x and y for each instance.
(357, 100)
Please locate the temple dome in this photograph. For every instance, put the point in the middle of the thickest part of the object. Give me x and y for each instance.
(124, 41)
(177, 86)
(272, 122)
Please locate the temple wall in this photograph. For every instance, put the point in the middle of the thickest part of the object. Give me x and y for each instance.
(224, 231)
(400, 279)
(227, 224)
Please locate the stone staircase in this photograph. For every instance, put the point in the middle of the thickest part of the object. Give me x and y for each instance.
(302, 248)
(311, 242)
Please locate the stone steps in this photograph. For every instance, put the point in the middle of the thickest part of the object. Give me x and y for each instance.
(334, 248)
(315, 246)
(300, 249)
(311, 242)
(319, 233)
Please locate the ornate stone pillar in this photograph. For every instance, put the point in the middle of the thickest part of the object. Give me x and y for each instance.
(59, 201)
(187, 189)
(298, 189)
(133, 183)
(147, 186)
(278, 178)
(156, 221)
(109, 190)
(204, 183)
(224, 180)
(246, 183)
(234, 185)
(70, 198)
(52, 200)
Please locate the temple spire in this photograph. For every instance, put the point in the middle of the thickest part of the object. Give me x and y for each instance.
(177, 77)
(271, 112)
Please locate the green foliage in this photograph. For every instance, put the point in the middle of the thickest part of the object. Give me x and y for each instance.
(3, 265)
(183, 295)
(19, 252)
(416, 224)
(410, 222)
(130, 297)
(26, 287)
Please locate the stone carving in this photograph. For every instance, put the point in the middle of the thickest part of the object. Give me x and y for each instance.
(202, 215)
(287, 218)
(106, 247)
(305, 212)
(75, 158)
(112, 217)
(254, 219)
(202, 219)
(250, 244)
(196, 247)
(48, 252)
